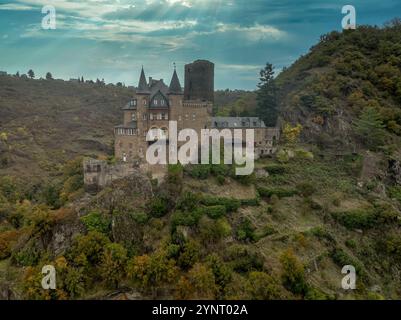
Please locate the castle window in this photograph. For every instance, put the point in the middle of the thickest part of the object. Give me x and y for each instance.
(163, 116)
(162, 102)
(179, 118)
(159, 116)
(255, 124)
(133, 117)
(132, 103)
(144, 116)
(150, 116)
(155, 102)
(144, 102)
(98, 169)
(193, 116)
(187, 116)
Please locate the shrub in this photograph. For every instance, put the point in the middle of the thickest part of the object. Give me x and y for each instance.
(158, 207)
(215, 212)
(351, 243)
(188, 202)
(356, 219)
(253, 202)
(395, 192)
(29, 255)
(189, 255)
(261, 286)
(199, 171)
(304, 154)
(305, 189)
(222, 273)
(219, 170)
(231, 204)
(95, 221)
(245, 179)
(322, 233)
(293, 274)
(180, 218)
(266, 231)
(341, 258)
(140, 217)
(279, 192)
(221, 180)
(246, 231)
(211, 231)
(242, 259)
(274, 169)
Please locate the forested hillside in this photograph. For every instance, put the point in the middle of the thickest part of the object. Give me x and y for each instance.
(347, 90)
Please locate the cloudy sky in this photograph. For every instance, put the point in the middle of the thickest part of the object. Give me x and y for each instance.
(112, 39)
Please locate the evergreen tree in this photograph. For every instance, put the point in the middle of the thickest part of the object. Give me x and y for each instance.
(31, 74)
(82, 79)
(267, 96)
(49, 76)
(17, 74)
(370, 128)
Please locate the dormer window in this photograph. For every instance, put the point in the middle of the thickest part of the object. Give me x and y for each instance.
(132, 103)
(162, 102)
(155, 102)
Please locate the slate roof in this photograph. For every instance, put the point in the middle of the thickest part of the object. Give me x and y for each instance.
(175, 86)
(237, 122)
(142, 85)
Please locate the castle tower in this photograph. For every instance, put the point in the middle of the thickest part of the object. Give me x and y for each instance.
(199, 81)
(142, 85)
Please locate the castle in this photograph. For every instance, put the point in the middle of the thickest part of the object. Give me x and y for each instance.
(154, 104)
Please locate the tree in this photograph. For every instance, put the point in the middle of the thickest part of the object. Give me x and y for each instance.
(152, 272)
(293, 274)
(261, 286)
(370, 128)
(113, 264)
(199, 284)
(49, 76)
(267, 96)
(17, 74)
(291, 134)
(31, 74)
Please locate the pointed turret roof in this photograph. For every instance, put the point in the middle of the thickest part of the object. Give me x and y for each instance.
(175, 86)
(143, 85)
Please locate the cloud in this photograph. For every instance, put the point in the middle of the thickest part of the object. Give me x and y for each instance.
(15, 7)
(240, 36)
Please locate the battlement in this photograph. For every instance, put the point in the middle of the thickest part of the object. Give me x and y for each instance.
(197, 104)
